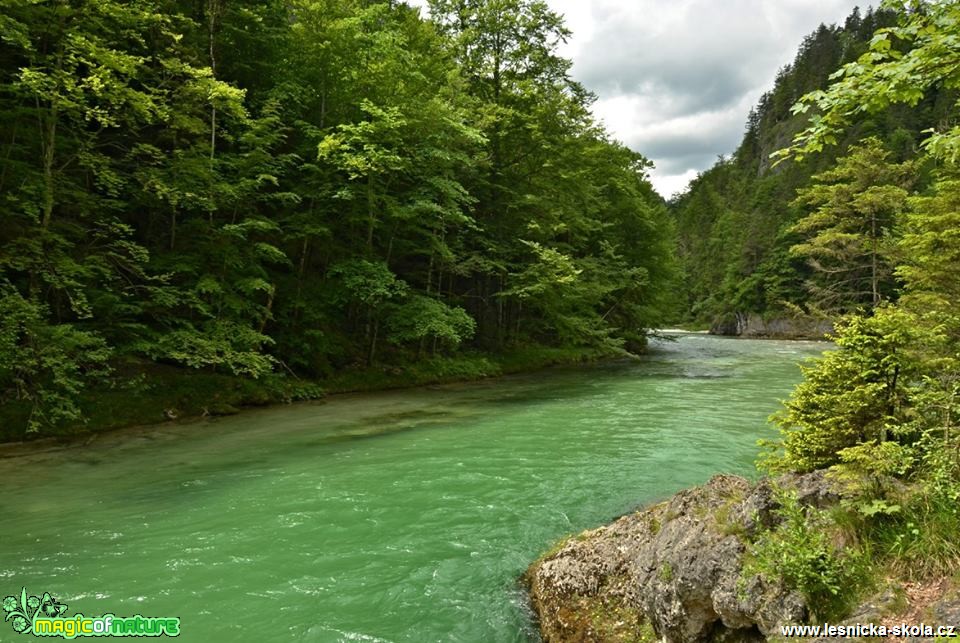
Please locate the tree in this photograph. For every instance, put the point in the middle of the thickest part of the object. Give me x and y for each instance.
(507, 53)
(887, 75)
(931, 249)
(371, 287)
(75, 84)
(571, 241)
(852, 395)
(895, 376)
(931, 275)
(423, 318)
(855, 206)
(45, 366)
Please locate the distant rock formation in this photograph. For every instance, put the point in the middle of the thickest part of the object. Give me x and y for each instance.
(753, 325)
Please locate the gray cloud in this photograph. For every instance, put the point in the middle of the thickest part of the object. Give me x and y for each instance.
(677, 78)
(694, 60)
(684, 147)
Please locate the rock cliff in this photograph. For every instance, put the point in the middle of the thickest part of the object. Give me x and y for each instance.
(672, 570)
(752, 325)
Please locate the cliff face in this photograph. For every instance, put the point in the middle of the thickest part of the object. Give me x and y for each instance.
(754, 325)
(671, 571)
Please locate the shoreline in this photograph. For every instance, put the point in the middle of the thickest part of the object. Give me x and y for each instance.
(377, 380)
(266, 395)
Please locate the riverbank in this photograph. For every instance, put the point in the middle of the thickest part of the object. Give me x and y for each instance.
(145, 393)
(773, 326)
(735, 561)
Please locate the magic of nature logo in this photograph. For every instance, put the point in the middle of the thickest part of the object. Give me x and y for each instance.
(44, 615)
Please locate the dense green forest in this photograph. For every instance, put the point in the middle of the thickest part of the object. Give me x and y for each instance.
(880, 236)
(302, 188)
(746, 237)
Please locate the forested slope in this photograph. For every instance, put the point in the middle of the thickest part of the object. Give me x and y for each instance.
(737, 222)
(303, 187)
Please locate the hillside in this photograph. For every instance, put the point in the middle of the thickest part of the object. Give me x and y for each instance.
(733, 222)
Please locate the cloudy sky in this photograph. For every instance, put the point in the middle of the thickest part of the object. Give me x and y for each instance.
(676, 78)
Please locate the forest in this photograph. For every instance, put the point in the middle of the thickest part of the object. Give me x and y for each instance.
(745, 235)
(278, 192)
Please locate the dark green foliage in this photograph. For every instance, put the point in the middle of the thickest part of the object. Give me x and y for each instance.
(423, 318)
(895, 376)
(852, 395)
(904, 64)
(736, 222)
(47, 365)
(882, 411)
(799, 550)
(847, 234)
(304, 187)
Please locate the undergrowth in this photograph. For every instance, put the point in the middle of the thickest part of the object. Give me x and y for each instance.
(801, 551)
(881, 533)
(140, 392)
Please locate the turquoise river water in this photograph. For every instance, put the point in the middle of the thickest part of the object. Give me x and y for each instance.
(399, 516)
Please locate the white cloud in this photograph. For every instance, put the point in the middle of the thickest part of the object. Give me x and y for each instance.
(675, 79)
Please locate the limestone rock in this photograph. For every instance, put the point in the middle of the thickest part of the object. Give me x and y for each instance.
(753, 325)
(675, 566)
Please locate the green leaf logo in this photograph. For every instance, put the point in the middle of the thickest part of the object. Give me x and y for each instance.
(22, 610)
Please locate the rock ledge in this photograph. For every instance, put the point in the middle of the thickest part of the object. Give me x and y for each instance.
(672, 570)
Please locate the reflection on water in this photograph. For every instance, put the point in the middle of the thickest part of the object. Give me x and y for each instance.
(399, 516)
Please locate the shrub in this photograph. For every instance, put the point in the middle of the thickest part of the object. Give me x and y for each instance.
(799, 552)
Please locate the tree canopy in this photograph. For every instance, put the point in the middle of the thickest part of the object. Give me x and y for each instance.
(304, 186)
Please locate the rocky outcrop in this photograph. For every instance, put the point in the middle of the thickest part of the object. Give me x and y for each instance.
(753, 325)
(672, 571)
(946, 611)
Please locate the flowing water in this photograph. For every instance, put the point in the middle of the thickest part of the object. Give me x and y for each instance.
(399, 516)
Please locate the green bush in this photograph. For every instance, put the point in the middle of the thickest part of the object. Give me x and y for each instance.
(45, 367)
(849, 396)
(799, 552)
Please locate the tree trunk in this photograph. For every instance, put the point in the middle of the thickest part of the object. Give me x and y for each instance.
(429, 284)
(266, 314)
(49, 154)
(500, 312)
(370, 215)
(373, 342)
(213, 14)
(6, 157)
(873, 259)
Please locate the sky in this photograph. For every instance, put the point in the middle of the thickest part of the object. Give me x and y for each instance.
(675, 79)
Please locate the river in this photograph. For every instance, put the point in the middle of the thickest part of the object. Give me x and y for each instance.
(398, 516)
